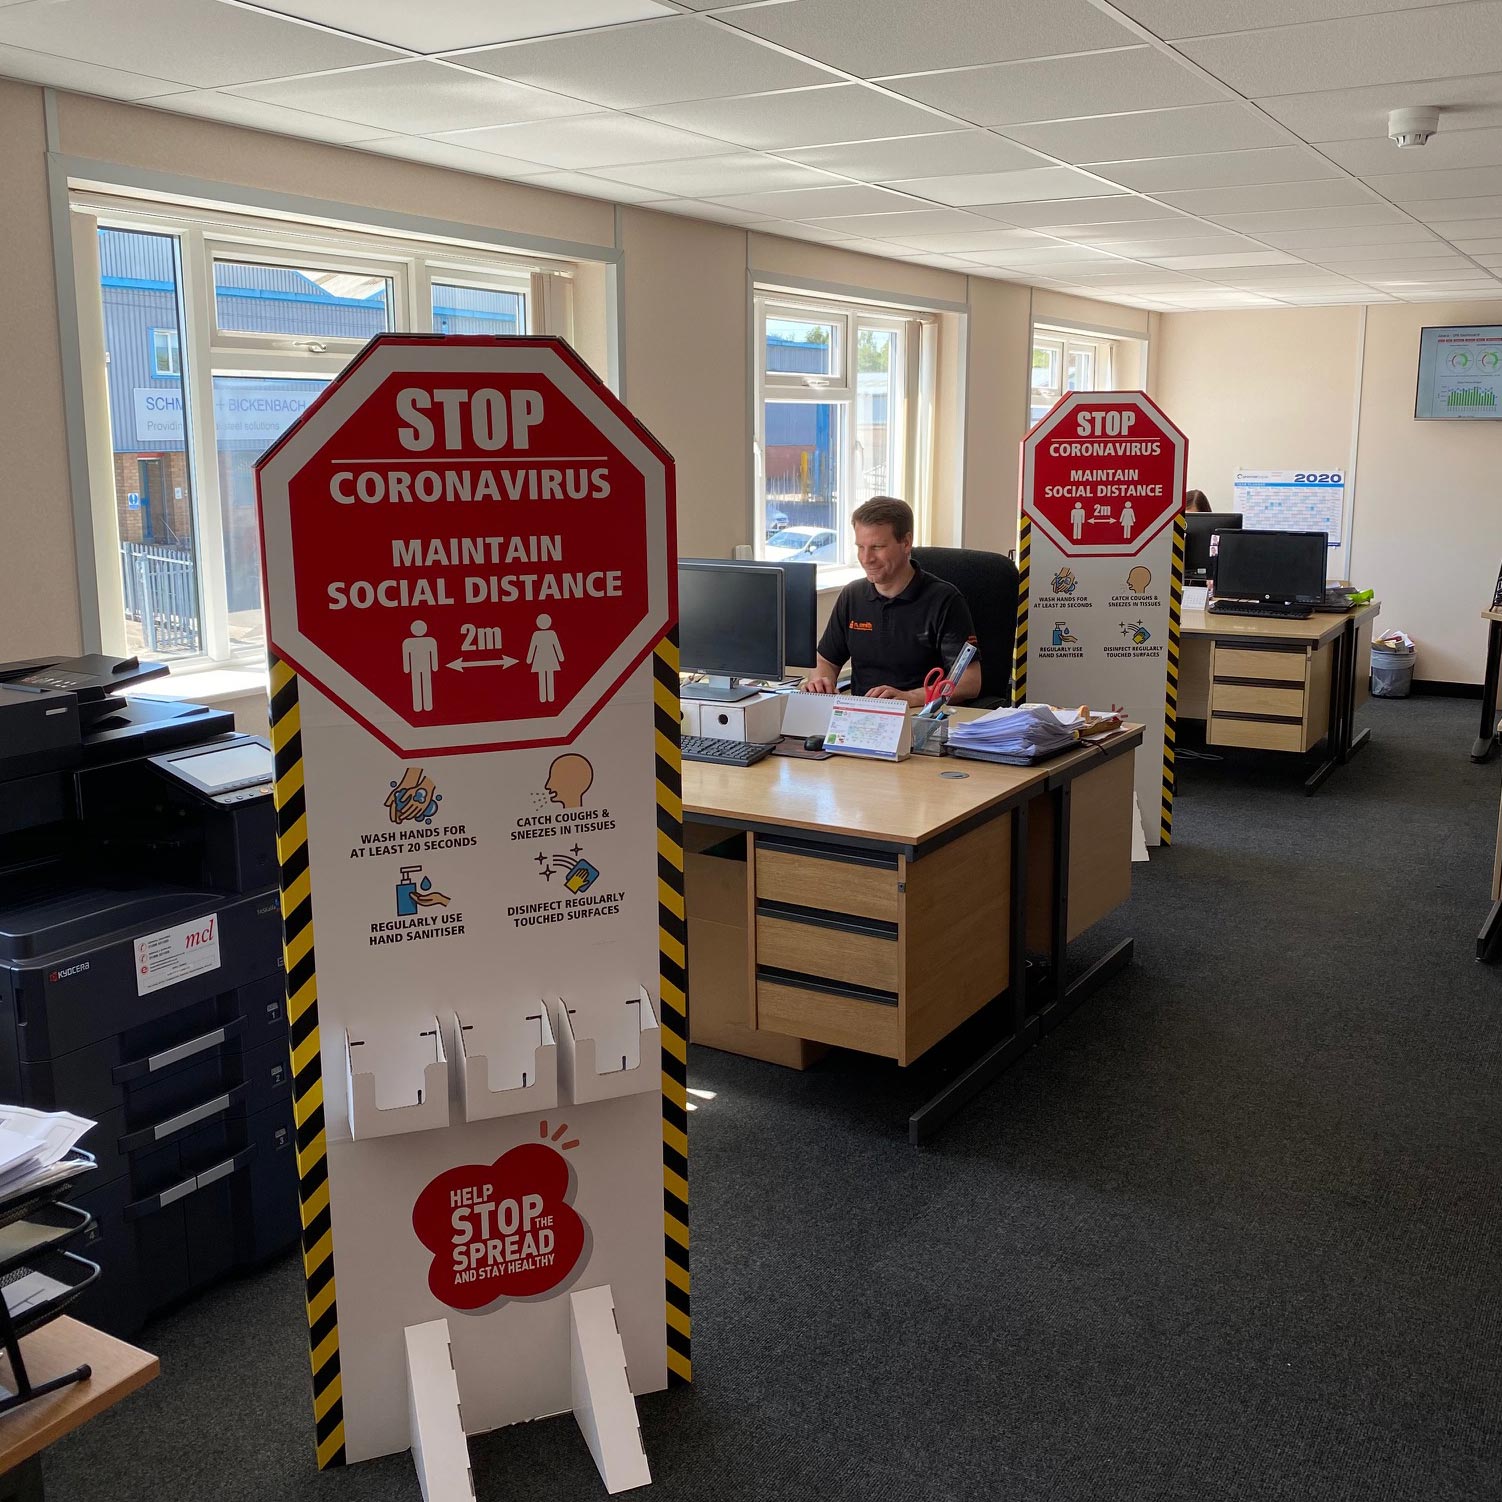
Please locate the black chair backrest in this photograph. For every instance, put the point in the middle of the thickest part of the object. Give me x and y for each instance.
(988, 582)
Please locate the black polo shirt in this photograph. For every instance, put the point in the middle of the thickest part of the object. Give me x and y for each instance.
(896, 641)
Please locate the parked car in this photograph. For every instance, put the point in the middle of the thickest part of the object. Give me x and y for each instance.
(776, 521)
(811, 544)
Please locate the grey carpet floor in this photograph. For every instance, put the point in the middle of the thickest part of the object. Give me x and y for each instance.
(1233, 1231)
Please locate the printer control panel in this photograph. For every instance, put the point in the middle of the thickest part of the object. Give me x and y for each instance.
(231, 770)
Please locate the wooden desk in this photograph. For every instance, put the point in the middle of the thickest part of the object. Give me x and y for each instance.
(117, 1370)
(877, 906)
(1486, 737)
(1278, 685)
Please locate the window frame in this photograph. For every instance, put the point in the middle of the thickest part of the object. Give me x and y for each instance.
(1064, 344)
(169, 342)
(910, 467)
(205, 351)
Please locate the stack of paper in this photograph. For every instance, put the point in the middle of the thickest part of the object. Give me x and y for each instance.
(1018, 736)
(33, 1145)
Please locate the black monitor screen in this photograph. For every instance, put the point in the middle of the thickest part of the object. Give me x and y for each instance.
(1272, 566)
(730, 619)
(800, 611)
(1198, 527)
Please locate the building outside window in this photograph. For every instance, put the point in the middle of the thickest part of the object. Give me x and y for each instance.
(216, 341)
(837, 422)
(1066, 362)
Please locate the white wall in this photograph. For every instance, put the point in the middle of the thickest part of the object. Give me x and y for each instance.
(1279, 389)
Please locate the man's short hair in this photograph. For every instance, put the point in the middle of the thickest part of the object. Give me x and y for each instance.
(885, 510)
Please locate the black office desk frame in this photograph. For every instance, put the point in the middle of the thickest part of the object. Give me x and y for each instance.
(1342, 739)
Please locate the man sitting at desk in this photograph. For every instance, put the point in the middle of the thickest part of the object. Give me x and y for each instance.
(897, 624)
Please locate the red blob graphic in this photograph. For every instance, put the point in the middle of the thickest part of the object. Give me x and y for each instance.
(502, 1230)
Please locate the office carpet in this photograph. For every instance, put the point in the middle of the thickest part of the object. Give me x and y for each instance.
(1233, 1231)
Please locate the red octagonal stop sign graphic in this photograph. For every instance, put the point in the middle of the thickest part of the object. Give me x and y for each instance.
(466, 542)
(1103, 473)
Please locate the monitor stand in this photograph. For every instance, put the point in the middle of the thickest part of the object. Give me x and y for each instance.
(718, 689)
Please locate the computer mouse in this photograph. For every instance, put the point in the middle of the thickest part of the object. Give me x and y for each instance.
(813, 742)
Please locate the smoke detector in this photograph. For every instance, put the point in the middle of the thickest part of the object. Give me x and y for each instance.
(1412, 127)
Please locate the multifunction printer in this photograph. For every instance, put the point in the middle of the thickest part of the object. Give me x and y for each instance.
(141, 980)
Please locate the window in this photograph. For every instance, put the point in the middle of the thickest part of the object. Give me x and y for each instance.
(1066, 362)
(219, 333)
(838, 420)
(164, 361)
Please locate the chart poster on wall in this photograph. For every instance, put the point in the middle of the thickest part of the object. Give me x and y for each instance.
(1460, 374)
(467, 545)
(1292, 500)
(1101, 559)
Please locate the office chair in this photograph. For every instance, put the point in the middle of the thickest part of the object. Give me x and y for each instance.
(988, 582)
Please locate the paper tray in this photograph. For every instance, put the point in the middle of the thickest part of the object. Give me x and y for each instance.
(59, 1279)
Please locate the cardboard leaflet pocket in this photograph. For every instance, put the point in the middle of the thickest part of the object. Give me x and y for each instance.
(607, 1049)
(508, 1060)
(398, 1078)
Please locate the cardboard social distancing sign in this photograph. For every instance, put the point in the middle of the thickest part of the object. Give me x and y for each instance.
(468, 549)
(1100, 555)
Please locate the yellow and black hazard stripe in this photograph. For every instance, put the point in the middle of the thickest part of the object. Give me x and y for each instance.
(1019, 652)
(307, 1070)
(672, 943)
(1171, 699)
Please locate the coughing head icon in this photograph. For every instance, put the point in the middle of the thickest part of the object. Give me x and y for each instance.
(569, 779)
(1138, 579)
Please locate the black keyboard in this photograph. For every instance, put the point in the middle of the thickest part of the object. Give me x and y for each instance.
(727, 753)
(1254, 607)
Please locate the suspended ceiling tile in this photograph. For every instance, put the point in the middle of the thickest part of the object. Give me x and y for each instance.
(464, 23)
(414, 98)
(1462, 182)
(589, 187)
(904, 223)
(1396, 47)
(1227, 258)
(650, 62)
(715, 176)
(1178, 228)
(795, 230)
(1417, 250)
(233, 109)
(1407, 233)
(1124, 208)
(1444, 210)
(824, 203)
(1458, 230)
(952, 152)
(82, 78)
(1175, 19)
(1465, 103)
(723, 212)
(1486, 247)
(1463, 148)
(967, 242)
(1005, 187)
(196, 42)
(874, 37)
(1151, 133)
(1370, 271)
(1199, 246)
(604, 139)
(1218, 169)
(1323, 193)
(1344, 217)
(1104, 83)
(1060, 255)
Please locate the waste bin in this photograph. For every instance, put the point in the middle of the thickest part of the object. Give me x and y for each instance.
(1392, 673)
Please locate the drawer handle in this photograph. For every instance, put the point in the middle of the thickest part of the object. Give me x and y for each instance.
(191, 1185)
(879, 859)
(847, 923)
(191, 1117)
(798, 981)
(169, 1056)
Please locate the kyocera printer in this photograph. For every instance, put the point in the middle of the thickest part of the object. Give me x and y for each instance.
(141, 972)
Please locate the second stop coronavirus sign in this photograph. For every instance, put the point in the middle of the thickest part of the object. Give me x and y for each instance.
(463, 542)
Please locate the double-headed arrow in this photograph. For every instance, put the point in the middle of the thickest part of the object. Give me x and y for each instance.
(459, 663)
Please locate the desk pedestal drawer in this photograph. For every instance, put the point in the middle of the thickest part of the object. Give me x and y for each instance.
(1257, 698)
(866, 887)
(856, 957)
(1262, 735)
(1244, 662)
(829, 1016)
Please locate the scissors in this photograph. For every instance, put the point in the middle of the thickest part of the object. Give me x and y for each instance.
(937, 687)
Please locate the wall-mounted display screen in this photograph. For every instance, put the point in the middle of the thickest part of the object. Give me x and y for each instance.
(1460, 374)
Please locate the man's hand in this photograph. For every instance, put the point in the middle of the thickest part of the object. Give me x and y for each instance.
(818, 685)
(913, 696)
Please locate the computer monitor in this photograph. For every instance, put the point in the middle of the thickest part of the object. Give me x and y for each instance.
(1198, 554)
(1278, 567)
(800, 610)
(730, 626)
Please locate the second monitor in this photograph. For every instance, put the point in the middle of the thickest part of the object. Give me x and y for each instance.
(1199, 559)
(730, 626)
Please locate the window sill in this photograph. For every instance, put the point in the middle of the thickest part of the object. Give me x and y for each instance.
(833, 576)
(210, 685)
